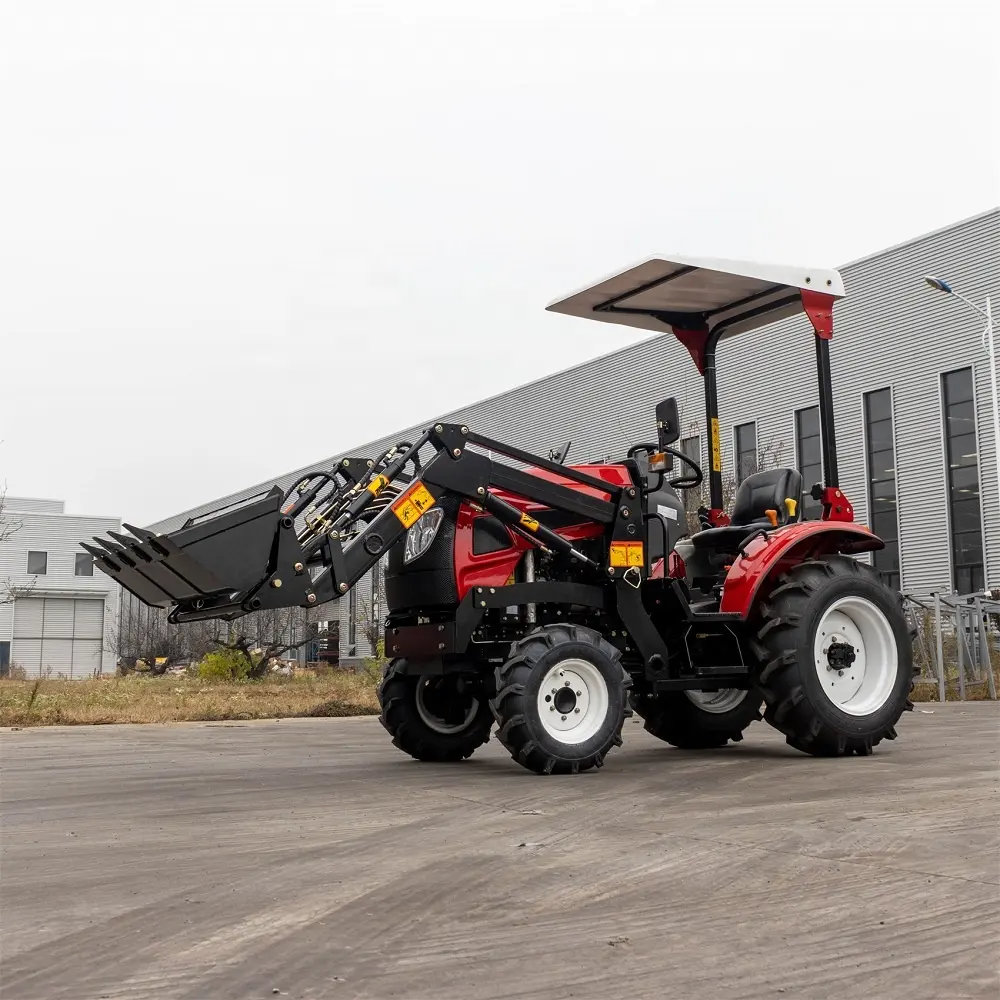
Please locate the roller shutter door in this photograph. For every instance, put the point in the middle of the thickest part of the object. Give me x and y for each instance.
(63, 635)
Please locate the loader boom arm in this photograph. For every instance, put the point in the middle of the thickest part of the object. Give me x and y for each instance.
(257, 557)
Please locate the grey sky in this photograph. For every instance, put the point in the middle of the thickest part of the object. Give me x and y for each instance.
(237, 238)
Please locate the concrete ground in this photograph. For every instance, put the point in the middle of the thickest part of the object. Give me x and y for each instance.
(310, 859)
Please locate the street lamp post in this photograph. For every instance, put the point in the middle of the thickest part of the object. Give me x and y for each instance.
(989, 343)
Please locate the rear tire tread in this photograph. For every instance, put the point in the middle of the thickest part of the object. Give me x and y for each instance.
(787, 708)
(675, 719)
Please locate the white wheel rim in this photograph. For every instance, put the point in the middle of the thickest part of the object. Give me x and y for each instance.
(431, 721)
(573, 701)
(718, 702)
(866, 684)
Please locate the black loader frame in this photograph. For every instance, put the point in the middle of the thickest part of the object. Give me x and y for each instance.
(212, 568)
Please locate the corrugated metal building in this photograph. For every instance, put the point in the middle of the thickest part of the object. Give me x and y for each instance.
(912, 387)
(63, 624)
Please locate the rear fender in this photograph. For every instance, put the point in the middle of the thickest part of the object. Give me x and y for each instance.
(768, 556)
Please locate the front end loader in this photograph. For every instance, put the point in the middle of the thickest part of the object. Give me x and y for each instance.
(550, 600)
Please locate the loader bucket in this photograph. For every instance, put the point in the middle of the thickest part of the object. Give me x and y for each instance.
(224, 555)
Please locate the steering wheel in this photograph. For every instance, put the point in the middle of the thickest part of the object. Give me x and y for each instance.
(689, 481)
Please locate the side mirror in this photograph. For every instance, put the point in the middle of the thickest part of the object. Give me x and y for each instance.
(668, 422)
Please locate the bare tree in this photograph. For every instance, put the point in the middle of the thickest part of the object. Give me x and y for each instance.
(370, 612)
(262, 636)
(10, 526)
(143, 639)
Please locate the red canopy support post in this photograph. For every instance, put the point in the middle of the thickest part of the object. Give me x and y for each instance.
(701, 345)
(818, 307)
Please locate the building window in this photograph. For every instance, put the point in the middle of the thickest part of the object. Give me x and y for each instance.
(38, 563)
(84, 564)
(880, 454)
(746, 451)
(964, 510)
(810, 459)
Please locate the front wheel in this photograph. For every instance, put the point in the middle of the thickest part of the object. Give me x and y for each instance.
(434, 717)
(838, 658)
(562, 699)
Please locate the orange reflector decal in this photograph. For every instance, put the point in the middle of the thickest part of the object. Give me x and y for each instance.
(626, 554)
(412, 504)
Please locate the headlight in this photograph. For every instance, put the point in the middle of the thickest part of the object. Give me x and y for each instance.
(421, 534)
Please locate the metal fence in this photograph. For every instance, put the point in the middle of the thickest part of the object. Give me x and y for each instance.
(957, 641)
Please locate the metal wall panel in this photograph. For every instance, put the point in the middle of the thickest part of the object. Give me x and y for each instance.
(58, 634)
(87, 656)
(27, 653)
(58, 621)
(57, 657)
(35, 505)
(88, 619)
(890, 331)
(29, 615)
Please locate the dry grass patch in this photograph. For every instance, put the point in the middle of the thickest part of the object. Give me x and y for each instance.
(927, 690)
(183, 699)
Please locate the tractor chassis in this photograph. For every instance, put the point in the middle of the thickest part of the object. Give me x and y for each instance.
(707, 653)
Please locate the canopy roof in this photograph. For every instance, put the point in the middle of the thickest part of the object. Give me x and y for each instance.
(695, 293)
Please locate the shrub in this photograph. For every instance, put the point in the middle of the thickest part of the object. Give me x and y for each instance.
(224, 665)
(372, 666)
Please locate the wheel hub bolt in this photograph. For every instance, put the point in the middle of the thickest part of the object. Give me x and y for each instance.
(576, 711)
(552, 708)
(579, 694)
(563, 717)
(566, 684)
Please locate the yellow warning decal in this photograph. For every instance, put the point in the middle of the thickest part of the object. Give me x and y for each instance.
(529, 522)
(378, 484)
(626, 554)
(412, 504)
(716, 447)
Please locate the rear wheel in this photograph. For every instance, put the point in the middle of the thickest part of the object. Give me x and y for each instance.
(434, 717)
(699, 720)
(562, 699)
(838, 659)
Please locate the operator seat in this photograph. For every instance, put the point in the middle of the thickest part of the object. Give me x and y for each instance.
(756, 495)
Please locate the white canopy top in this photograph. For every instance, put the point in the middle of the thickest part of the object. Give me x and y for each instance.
(689, 291)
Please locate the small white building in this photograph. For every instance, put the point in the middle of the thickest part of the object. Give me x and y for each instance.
(63, 626)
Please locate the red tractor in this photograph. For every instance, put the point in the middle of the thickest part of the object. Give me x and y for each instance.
(552, 600)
